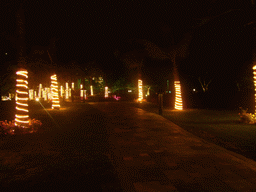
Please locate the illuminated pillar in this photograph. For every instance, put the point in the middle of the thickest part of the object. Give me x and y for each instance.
(54, 91)
(148, 91)
(254, 79)
(49, 94)
(40, 91)
(67, 90)
(22, 117)
(178, 99)
(35, 94)
(31, 92)
(140, 90)
(81, 86)
(73, 86)
(91, 90)
(106, 92)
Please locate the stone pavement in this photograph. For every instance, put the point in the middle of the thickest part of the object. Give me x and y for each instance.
(150, 153)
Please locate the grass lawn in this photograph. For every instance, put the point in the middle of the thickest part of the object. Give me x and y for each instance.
(221, 127)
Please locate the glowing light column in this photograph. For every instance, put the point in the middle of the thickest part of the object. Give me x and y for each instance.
(91, 90)
(178, 99)
(54, 91)
(67, 91)
(22, 117)
(106, 92)
(40, 91)
(31, 94)
(254, 79)
(140, 90)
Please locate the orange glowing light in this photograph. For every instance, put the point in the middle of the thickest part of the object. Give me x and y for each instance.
(178, 98)
(140, 98)
(106, 92)
(67, 95)
(54, 91)
(40, 91)
(73, 86)
(22, 117)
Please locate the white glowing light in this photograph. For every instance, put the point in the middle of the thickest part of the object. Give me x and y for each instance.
(81, 93)
(54, 91)
(106, 92)
(178, 98)
(140, 90)
(91, 90)
(22, 116)
(81, 86)
(73, 86)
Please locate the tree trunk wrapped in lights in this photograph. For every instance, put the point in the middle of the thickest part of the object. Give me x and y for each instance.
(178, 98)
(55, 93)
(91, 90)
(254, 79)
(106, 92)
(140, 90)
(22, 116)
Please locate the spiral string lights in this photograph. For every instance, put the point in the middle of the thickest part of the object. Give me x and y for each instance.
(140, 90)
(22, 117)
(178, 99)
(54, 91)
(254, 79)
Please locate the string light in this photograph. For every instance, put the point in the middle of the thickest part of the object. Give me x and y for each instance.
(254, 79)
(178, 99)
(140, 90)
(22, 117)
(54, 91)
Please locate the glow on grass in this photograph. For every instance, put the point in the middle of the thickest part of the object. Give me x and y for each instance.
(140, 98)
(106, 92)
(54, 91)
(22, 117)
(178, 98)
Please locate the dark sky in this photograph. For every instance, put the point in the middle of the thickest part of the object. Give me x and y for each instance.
(93, 30)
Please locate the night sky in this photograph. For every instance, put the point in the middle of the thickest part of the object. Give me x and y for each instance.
(89, 31)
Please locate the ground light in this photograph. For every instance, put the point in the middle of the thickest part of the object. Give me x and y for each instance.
(54, 91)
(140, 96)
(178, 98)
(22, 117)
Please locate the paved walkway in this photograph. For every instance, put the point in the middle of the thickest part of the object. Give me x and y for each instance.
(150, 153)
